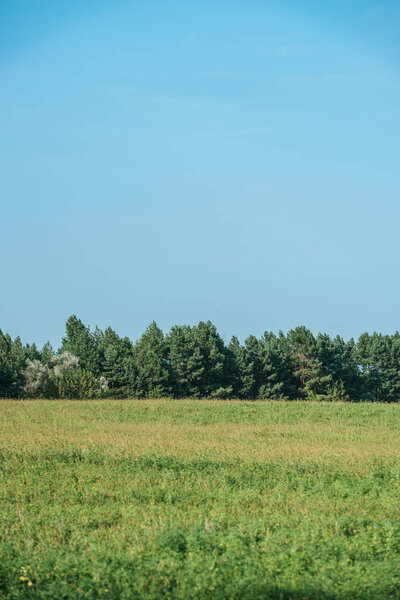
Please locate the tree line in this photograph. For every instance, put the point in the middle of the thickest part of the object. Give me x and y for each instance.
(194, 362)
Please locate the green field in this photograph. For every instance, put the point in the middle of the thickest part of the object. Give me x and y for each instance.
(199, 499)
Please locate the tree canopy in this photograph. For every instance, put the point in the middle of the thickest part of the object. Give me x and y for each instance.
(194, 362)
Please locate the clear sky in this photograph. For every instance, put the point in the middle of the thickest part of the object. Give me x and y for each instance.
(182, 161)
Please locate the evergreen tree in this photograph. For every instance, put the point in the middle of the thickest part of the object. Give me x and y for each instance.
(194, 362)
(246, 367)
(312, 379)
(391, 371)
(254, 367)
(212, 356)
(277, 379)
(117, 363)
(151, 363)
(236, 356)
(13, 358)
(379, 357)
(186, 361)
(77, 383)
(46, 353)
(9, 379)
(339, 360)
(84, 344)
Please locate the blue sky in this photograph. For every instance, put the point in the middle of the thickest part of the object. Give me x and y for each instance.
(182, 161)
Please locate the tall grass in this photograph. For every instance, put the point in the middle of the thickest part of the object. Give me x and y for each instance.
(199, 499)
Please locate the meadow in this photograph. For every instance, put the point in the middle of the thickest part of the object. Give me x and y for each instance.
(149, 499)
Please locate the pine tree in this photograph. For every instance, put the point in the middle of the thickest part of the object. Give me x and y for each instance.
(392, 370)
(379, 358)
(117, 360)
(254, 367)
(152, 367)
(307, 370)
(277, 379)
(84, 344)
(339, 360)
(242, 370)
(46, 353)
(9, 380)
(77, 383)
(235, 359)
(186, 362)
(212, 356)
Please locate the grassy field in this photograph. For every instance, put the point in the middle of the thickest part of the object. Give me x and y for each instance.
(199, 499)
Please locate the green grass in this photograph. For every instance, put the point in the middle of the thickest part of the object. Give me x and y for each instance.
(199, 499)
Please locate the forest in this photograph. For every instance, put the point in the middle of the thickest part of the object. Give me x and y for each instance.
(195, 362)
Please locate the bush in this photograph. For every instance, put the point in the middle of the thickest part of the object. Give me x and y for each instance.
(78, 383)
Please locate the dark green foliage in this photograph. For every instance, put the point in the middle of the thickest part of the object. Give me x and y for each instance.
(84, 344)
(13, 357)
(253, 367)
(263, 368)
(193, 361)
(8, 372)
(278, 380)
(214, 379)
(199, 362)
(239, 369)
(47, 353)
(339, 367)
(186, 362)
(117, 363)
(151, 364)
(379, 358)
(76, 384)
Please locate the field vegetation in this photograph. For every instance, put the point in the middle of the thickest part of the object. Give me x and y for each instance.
(199, 499)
